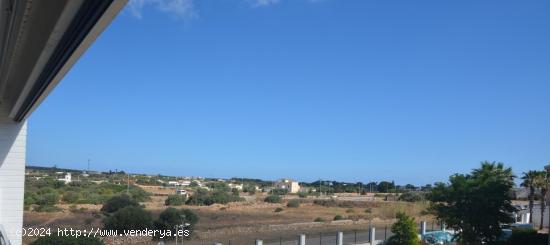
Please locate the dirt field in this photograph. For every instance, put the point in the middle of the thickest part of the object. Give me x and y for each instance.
(242, 222)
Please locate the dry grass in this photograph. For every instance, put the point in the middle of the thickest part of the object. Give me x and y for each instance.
(248, 220)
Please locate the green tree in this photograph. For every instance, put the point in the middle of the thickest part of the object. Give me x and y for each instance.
(475, 204)
(542, 182)
(404, 231)
(129, 218)
(528, 182)
(385, 186)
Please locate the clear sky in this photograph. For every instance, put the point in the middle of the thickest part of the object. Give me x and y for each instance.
(350, 90)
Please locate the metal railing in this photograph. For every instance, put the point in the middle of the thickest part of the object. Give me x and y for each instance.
(372, 235)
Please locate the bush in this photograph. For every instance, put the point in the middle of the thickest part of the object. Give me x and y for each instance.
(66, 240)
(338, 217)
(325, 203)
(250, 189)
(411, 197)
(302, 194)
(129, 218)
(349, 210)
(47, 209)
(204, 197)
(279, 191)
(139, 194)
(47, 199)
(118, 202)
(171, 217)
(219, 186)
(273, 199)
(404, 231)
(279, 209)
(71, 197)
(293, 203)
(319, 219)
(175, 200)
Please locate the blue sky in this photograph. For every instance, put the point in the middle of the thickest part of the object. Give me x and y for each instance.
(354, 90)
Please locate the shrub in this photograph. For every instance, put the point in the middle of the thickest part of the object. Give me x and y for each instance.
(204, 197)
(171, 217)
(368, 210)
(319, 219)
(302, 194)
(219, 186)
(221, 196)
(293, 203)
(66, 240)
(71, 197)
(349, 210)
(404, 231)
(338, 217)
(410, 197)
(30, 198)
(250, 189)
(175, 200)
(201, 197)
(47, 199)
(279, 191)
(326, 203)
(129, 218)
(118, 202)
(279, 209)
(273, 199)
(139, 194)
(47, 208)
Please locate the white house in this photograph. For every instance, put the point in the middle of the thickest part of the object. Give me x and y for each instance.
(185, 183)
(236, 186)
(173, 183)
(288, 184)
(67, 179)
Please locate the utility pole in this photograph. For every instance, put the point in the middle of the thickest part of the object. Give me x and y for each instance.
(128, 185)
(320, 187)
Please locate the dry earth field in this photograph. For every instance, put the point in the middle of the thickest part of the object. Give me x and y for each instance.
(243, 222)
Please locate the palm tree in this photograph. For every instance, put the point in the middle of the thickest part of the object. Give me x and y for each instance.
(528, 182)
(543, 182)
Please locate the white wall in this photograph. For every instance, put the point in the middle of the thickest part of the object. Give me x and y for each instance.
(536, 216)
(13, 138)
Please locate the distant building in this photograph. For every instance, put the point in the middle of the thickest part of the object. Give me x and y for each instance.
(288, 184)
(173, 183)
(67, 179)
(236, 186)
(185, 183)
(182, 192)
